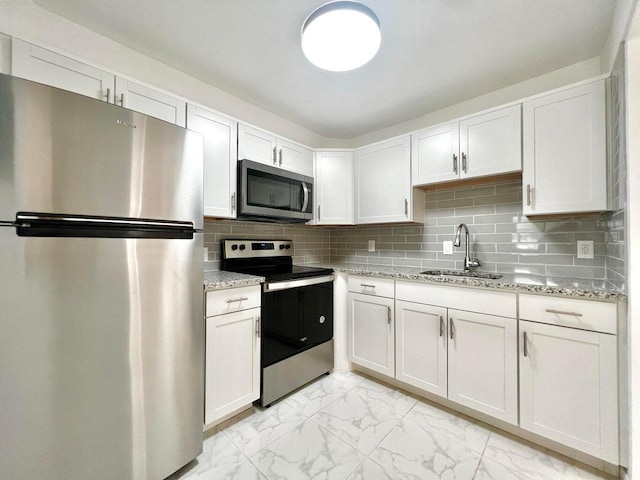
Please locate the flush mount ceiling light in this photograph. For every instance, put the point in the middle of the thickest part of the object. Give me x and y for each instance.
(341, 36)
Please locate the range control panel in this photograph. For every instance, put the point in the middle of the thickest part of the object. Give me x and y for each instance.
(256, 248)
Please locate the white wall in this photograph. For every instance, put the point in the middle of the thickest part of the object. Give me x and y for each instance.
(632, 58)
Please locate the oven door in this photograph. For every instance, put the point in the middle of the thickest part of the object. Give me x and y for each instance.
(273, 193)
(296, 315)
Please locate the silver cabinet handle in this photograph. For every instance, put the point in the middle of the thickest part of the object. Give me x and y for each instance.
(258, 327)
(242, 299)
(441, 326)
(280, 157)
(406, 207)
(274, 156)
(366, 285)
(560, 312)
(318, 212)
(464, 162)
(524, 344)
(388, 315)
(108, 94)
(233, 201)
(122, 99)
(455, 163)
(451, 329)
(528, 194)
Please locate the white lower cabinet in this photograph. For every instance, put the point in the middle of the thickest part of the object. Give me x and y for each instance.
(421, 346)
(483, 363)
(232, 365)
(568, 377)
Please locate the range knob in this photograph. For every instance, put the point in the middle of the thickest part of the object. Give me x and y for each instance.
(234, 247)
(288, 247)
(282, 246)
(242, 247)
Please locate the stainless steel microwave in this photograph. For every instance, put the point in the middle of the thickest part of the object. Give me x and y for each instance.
(272, 194)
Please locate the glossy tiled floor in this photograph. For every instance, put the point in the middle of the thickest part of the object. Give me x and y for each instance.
(345, 426)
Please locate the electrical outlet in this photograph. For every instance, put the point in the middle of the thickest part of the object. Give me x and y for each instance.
(372, 245)
(585, 248)
(447, 247)
(206, 254)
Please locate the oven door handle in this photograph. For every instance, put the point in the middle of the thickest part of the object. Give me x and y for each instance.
(304, 282)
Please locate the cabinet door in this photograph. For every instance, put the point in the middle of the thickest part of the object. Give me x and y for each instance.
(421, 346)
(151, 102)
(435, 154)
(564, 147)
(491, 143)
(333, 182)
(568, 387)
(383, 182)
(232, 370)
(371, 332)
(256, 145)
(295, 158)
(483, 361)
(43, 66)
(220, 160)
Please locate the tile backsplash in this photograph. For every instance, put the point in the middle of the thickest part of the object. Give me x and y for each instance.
(501, 237)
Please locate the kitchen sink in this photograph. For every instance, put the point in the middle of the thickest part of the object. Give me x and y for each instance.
(462, 273)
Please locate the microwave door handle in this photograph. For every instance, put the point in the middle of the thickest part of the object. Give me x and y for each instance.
(305, 197)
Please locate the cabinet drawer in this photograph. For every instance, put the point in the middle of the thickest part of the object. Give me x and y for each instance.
(380, 287)
(569, 312)
(502, 304)
(232, 300)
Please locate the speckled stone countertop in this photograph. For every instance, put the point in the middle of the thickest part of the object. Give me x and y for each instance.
(220, 279)
(569, 287)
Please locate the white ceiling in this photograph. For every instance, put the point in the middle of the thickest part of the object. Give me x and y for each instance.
(434, 53)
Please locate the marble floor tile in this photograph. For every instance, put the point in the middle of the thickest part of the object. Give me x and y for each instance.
(256, 428)
(453, 425)
(370, 470)
(490, 470)
(244, 471)
(317, 395)
(411, 452)
(362, 417)
(308, 452)
(535, 463)
(348, 379)
(219, 456)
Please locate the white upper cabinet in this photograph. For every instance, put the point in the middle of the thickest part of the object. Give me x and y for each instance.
(220, 160)
(263, 147)
(487, 144)
(333, 182)
(151, 102)
(40, 65)
(43, 66)
(564, 145)
(383, 191)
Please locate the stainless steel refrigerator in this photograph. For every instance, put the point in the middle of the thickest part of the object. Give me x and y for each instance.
(101, 310)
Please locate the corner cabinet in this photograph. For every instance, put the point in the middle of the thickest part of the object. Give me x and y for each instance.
(333, 182)
(383, 191)
(44, 66)
(220, 160)
(478, 146)
(232, 346)
(568, 373)
(264, 147)
(565, 155)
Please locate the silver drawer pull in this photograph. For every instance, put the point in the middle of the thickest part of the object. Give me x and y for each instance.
(441, 326)
(237, 300)
(366, 285)
(560, 312)
(524, 343)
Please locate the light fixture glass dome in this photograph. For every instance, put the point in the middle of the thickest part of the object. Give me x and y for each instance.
(341, 36)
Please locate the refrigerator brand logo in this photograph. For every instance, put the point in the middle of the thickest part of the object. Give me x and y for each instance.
(126, 124)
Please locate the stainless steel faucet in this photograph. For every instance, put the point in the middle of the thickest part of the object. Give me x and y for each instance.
(468, 263)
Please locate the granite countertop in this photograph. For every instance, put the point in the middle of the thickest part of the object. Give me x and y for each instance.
(525, 283)
(220, 279)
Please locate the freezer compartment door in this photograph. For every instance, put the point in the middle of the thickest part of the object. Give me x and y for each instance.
(65, 153)
(102, 356)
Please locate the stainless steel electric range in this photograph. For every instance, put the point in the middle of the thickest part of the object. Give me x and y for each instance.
(296, 314)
